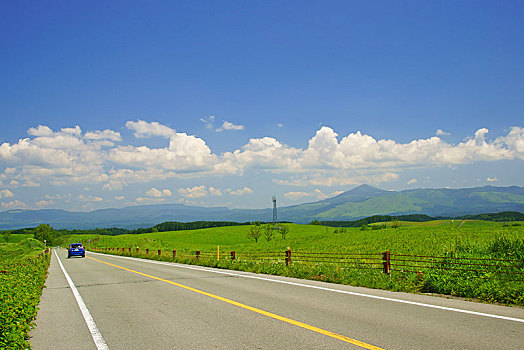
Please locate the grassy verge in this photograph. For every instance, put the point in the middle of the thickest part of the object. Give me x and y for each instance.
(23, 272)
(465, 239)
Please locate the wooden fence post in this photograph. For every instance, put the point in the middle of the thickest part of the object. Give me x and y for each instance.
(198, 254)
(159, 252)
(288, 256)
(233, 257)
(147, 251)
(174, 253)
(386, 262)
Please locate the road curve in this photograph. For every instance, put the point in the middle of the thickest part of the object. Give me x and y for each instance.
(140, 304)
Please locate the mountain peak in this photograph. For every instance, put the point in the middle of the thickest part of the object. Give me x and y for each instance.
(366, 189)
(357, 194)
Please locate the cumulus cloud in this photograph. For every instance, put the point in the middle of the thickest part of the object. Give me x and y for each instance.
(440, 132)
(412, 181)
(40, 130)
(12, 204)
(44, 203)
(103, 135)
(358, 151)
(215, 191)
(145, 129)
(69, 156)
(492, 179)
(185, 153)
(153, 192)
(230, 126)
(240, 192)
(193, 192)
(6, 194)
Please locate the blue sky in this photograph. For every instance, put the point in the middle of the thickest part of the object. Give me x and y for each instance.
(227, 103)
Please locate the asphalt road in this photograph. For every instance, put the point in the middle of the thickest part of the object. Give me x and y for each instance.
(138, 304)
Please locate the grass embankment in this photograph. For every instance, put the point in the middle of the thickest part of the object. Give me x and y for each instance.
(472, 240)
(23, 272)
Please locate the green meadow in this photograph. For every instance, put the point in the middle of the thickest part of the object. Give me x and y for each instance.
(464, 239)
(427, 238)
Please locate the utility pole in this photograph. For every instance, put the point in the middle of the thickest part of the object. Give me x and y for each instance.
(275, 212)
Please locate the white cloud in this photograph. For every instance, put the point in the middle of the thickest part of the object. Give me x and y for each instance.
(240, 192)
(120, 198)
(280, 125)
(230, 126)
(40, 130)
(492, 179)
(13, 204)
(340, 178)
(6, 194)
(412, 181)
(317, 193)
(440, 132)
(44, 203)
(145, 129)
(153, 192)
(215, 191)
(357, 151)
(103, 135)
(70, 157)
(297, 195)
(193, 192)
(83, 198)
(185, 153)
(209, 122)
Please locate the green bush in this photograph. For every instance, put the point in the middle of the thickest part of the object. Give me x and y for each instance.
(23, 271)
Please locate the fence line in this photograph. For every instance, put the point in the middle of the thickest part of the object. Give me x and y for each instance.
(499, 269)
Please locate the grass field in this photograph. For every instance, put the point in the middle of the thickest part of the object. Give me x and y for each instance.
(16, 238)
(466, 239)
(428, 238)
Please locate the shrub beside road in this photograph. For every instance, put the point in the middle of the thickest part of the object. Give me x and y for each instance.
(23, 272)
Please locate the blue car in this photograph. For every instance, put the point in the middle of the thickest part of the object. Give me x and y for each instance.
(76, 249)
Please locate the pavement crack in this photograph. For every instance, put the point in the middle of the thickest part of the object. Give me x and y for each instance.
(113, 283)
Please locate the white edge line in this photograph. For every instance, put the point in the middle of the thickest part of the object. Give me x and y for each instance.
(320, 288)
(95, 332)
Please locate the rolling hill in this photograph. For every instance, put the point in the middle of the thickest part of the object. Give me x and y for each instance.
(359, 202)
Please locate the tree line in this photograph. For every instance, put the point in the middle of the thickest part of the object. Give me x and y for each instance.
(502, 216)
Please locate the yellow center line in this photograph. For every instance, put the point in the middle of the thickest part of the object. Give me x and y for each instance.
(254, 309)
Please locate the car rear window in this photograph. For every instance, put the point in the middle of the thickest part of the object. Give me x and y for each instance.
(75, 246)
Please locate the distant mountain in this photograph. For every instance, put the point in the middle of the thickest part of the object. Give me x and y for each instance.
(360, 202)
(365, 201)
(128, 217)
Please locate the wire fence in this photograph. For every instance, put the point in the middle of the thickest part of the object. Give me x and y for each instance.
(467, 267)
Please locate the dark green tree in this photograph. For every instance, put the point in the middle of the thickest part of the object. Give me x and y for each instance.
(45, 232)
